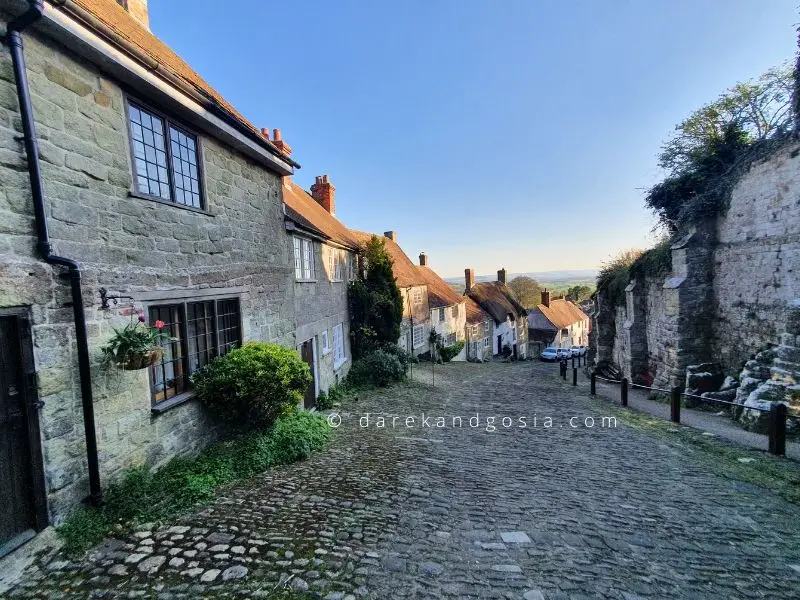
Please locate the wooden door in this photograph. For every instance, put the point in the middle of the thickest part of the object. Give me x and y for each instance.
(307, 354)
(21, 483)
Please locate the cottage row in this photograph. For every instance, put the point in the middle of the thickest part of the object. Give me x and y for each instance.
(129, 187)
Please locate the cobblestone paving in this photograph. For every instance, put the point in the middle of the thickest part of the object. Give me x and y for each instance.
(453, 512)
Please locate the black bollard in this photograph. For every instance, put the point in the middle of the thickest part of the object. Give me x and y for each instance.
(624, 392)
(574, 375)
(593, 386)
(675, 405)
(777, 430)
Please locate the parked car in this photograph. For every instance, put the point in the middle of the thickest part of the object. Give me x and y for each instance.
(549, 354)
(563, 353)
(578, 350)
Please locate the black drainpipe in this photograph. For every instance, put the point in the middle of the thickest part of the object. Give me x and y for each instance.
(14, 41)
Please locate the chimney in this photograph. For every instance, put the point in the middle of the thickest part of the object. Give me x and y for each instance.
(423, 259)
(392, 235)
(546, 298)
(469, 280)
(138, 10)
(278, 141)
(324, 193)
(501, 276)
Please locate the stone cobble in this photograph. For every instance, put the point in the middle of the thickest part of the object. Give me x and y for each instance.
(462, 512)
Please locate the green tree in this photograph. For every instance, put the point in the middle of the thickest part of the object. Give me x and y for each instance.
(376, 306)
(527, 290)
(579, 293)
(700, 157)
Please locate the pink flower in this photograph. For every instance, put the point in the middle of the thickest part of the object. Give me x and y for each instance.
(160, 324)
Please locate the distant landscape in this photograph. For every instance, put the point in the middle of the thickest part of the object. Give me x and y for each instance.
(558, 282)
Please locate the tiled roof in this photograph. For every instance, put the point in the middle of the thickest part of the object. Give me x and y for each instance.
(475, 314)
(405, 272)
(497, 299)
(111, 15)
(562, 313)
(439, 293)
(306, 212)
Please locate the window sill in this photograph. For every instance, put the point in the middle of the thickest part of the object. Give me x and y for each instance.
(169, 203)
(305, 281)
(166, 405)
(326, 352)
(337, 366)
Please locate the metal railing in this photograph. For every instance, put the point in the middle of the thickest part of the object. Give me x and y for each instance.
(778, 412)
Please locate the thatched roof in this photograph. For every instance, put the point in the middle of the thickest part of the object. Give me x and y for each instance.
(498, 300)
(560, 314)
(475, 314)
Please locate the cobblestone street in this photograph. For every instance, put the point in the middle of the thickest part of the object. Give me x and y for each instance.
(462, 512)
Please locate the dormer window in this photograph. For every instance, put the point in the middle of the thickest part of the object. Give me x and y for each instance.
(123, 4)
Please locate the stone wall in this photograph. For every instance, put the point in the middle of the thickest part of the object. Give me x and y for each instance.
(321, 305)
(726, 298)
(132, 246)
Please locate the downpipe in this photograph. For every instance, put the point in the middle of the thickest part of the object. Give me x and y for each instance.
(14, 40)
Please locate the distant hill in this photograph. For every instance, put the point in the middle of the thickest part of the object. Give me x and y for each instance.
(560, 277)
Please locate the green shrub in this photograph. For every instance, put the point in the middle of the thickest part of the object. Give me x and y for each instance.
(142, 495)
(253, 385)
(379, 367)
(298, 436)
(448, 353)
(324, 402)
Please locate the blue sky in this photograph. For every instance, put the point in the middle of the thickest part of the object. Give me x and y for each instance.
(515, 133)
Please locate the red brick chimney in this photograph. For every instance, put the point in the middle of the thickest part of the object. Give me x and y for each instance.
(501, 276)
(392, 235)
(278, 141)
(423, 259)
(469, 280)
(546, 298)
(324, 193)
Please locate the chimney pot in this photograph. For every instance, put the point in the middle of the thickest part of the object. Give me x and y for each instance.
(137, 9)
(469, 280)
(501, 276)
(423, 259)
(265, 132)
(546, 298)
(324, 193)
(392, 235)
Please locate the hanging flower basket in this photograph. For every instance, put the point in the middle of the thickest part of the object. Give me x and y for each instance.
(134, 362)
(136, 346)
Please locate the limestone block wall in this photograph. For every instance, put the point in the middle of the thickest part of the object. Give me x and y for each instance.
(320, 306)
(131, 246)
(757, 257)
(727, 296)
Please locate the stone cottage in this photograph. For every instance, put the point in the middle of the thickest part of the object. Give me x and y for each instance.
(416, 323)
(448, 316)
(324, 253)
(510, 317)
(128, 187)
(479, 329)
(558, 323)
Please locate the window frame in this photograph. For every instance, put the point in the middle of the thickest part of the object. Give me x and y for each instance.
(339, 353)
(417, 297)
(130, 100)
(325, 342)
(182, 304)
(305, 261)
(422, 336)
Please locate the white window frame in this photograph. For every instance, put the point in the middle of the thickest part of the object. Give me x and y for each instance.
(485, 343)
(417, 298)
(325, 342)
(454, 311)
(338, 265)
(421, 330)
(304, 267)
(486, 326)
(339, 356)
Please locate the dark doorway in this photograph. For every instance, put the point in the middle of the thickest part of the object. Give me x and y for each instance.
(307, 354)
(22, 495)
